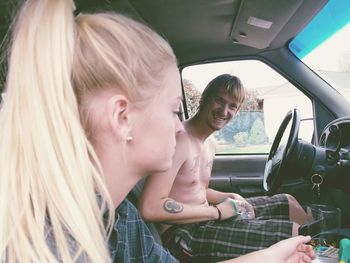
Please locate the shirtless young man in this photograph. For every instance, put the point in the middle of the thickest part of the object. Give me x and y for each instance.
(205, 222)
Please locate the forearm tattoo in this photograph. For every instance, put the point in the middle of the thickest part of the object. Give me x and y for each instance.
(173, 207)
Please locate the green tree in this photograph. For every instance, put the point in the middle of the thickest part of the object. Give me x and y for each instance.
(257, 134)
(252, 101)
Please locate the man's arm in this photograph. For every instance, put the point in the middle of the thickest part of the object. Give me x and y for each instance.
(216, 197)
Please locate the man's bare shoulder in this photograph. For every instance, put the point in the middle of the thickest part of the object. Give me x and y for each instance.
(182, 147)
(211, 141)
(182, 139)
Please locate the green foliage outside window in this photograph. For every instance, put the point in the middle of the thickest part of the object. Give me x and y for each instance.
(247, 128)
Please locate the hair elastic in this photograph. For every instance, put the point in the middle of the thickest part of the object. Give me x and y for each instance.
(219, 213)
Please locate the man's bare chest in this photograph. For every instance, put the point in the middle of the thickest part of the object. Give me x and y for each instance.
(198, 165)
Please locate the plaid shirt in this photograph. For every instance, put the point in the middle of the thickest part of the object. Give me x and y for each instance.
(131, 240)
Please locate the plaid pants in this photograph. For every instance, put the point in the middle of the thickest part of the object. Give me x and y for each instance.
(211, 241)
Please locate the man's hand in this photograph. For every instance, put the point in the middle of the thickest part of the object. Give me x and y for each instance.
(236, 196)
(246, 205)
(230, 207)
(246, 210)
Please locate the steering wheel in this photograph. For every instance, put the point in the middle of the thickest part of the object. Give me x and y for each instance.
(280, 153)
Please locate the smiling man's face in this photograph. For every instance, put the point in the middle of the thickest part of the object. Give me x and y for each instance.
(220, 109)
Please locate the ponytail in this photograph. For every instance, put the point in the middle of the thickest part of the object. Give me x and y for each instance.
(48, 172)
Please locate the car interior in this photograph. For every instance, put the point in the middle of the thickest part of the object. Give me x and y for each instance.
(204, 33)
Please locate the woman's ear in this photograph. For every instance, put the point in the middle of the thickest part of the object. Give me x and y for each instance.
(118, 108)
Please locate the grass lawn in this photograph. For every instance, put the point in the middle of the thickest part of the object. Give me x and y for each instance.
(231, 149)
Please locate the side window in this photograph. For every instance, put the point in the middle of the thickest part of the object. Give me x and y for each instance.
(269, 97)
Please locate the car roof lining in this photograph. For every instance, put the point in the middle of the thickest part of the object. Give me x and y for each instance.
(204, 30)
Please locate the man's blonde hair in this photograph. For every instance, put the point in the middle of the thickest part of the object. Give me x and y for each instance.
(230, 83)
(50, 176)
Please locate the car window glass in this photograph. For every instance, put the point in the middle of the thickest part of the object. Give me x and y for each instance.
(323, 45)
(269, 97)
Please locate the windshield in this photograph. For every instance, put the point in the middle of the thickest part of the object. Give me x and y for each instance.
(324, 45)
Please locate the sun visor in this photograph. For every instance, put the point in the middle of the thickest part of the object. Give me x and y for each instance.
(259, 21)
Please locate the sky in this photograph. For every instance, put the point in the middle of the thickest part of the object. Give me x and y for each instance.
(328, 55)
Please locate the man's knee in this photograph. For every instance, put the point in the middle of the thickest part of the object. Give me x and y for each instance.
(295, 229)
(293, 203)
(291, 200)
(296, 212)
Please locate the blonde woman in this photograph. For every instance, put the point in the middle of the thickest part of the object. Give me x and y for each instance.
(74, 137)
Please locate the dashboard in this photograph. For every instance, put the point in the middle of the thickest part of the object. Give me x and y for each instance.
(336, 135)
(335, 143)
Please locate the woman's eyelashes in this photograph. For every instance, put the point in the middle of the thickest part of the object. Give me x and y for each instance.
(179, 114)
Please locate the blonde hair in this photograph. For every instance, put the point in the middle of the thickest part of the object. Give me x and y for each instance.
(115, 51)
(230, 83)
(49, 172)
